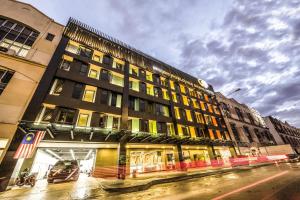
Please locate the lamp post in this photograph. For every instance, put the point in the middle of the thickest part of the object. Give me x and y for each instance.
(234, 91)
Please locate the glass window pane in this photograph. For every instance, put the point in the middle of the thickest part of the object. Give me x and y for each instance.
(82, 119)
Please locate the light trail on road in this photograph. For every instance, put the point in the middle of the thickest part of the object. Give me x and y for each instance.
(250, 186)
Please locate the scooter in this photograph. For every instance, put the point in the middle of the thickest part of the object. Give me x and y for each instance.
(26, 179)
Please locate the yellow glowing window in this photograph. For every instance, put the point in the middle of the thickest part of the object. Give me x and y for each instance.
(211, 134)
(182, 88)
(227, 135)
(172, 85)
(89, 93)
(179, 128)
(68, 58)
(152, 126)
(177, 115)
(219, 134)
(188, 115)
(97, 56)
(195, 103)
(149, 76)
(192, 132)
(133, 70)
(214, 121)
(185, 100)
(202, 106)
(199, 118)
(83, 119)
(174, 97)
(150, 90)
(166, 94)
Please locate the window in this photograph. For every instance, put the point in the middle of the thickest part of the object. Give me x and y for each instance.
(156, 79)
(46, 114)
(247, 133)
(161, 127)
(89, 96)
(189, 115)
(134, 85)
(170, 129)
(16, 37)
(105, 75)
(174, 97)
(85, 52)
(83, 119)
(142, 73)
(104, 97)
(142, 105)
(107, 60)
(65, 116)
(157, 92)
(162, 110)
(93, 74)
(152, 126)
(118, 64)
(177, 113)
(117, 80)
(77, 91)
(5, 76)
(235, 132)
(143, 87)
(239, 114)
(57, 87)
(182, 88)
(149, 76)
(65, 65)
(150, 90)
(50, 36)
(133, 70)
(185, 100)
(83, 69)
(144, 125)
(166, 94)
(208, 120)
(199, 118)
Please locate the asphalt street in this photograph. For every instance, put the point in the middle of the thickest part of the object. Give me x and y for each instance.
(273, 182)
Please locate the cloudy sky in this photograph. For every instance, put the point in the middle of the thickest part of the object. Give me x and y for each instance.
(249, 44)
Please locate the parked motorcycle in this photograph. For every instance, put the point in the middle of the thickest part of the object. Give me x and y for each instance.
(26, 179)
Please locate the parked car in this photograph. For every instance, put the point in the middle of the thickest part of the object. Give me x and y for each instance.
(66, 170)
(292, 158)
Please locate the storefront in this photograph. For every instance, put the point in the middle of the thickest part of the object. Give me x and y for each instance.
(195, 156)
(223, 155)
(151, 158)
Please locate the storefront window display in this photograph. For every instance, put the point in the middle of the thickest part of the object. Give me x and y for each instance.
(150, 161)
(196, 158)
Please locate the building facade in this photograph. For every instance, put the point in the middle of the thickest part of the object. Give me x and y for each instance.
(28, 40)
(119, 110)
(246, 127)
(284, 133)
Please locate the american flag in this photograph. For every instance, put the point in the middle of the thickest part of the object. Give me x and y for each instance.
(28, 144)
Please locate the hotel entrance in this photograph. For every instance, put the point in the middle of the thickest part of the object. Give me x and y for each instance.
(151, 159)
(195, 156)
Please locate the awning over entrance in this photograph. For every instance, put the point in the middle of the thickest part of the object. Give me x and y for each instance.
(96, 134)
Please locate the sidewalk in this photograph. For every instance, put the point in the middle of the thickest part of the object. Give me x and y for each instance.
(145, 181)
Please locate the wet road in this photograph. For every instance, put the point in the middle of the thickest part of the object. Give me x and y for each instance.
(268, 183)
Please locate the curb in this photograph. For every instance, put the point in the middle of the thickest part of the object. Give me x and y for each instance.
(146, 186)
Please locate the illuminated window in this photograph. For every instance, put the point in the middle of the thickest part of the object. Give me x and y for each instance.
(152, 126)
(118, 64)
(210, 108)
(206, 97)
(94, 74)
(211, 134)
(177, 115)
(214, 121)
(133, 70)
(174, 97)
(89, 93)
(183, 130)
(182, 88)
(199, 118)
(185, 100)
(202, 105)
(172, 85)
(170, 129)
(208, 119)
(117, 79)
(134, 84)
(192, 131)
(195, 103)
(219, 134)
(189, 115)
(83, 119)
(149, 76)
(149, 89)
(166, 94)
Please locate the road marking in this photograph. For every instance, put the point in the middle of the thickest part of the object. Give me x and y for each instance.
(250, 186)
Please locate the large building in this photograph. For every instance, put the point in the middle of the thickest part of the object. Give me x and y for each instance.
(284, 133)
(246, 127)
(28, 40)
(118, 110)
